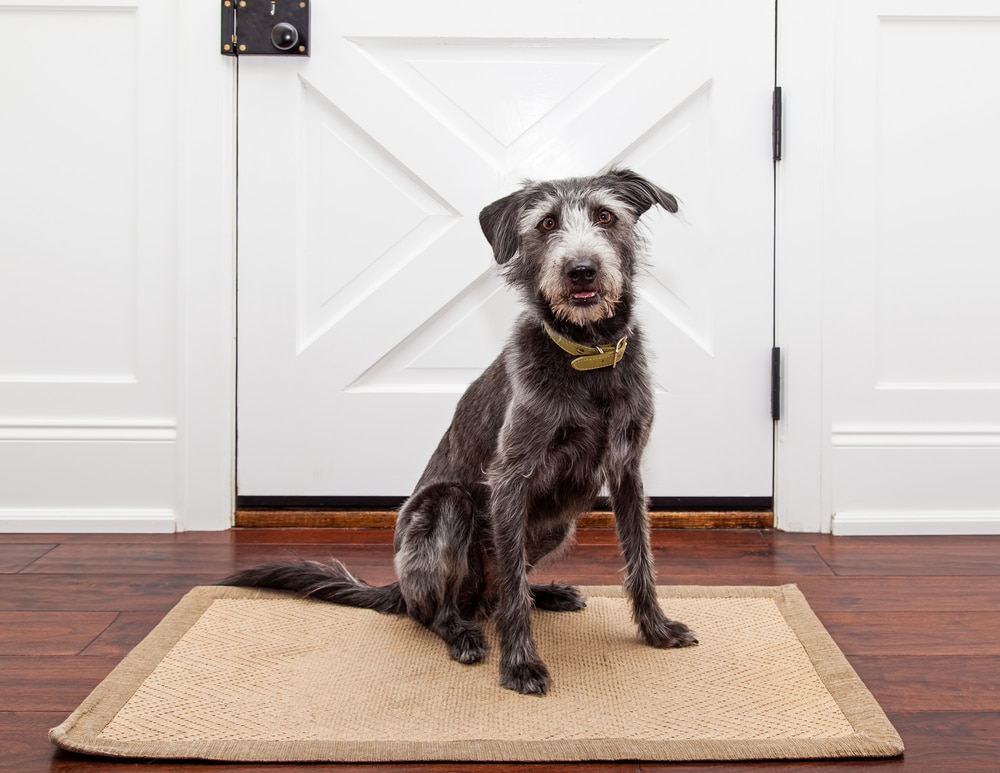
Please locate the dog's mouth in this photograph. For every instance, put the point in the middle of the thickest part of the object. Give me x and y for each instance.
(584, 298)
(582, 307)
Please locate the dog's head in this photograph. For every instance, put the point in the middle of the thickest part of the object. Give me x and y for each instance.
(573, 243)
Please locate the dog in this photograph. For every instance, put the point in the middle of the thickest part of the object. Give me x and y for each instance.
(563, 411)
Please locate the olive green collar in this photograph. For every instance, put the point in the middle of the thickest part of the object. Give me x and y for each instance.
(590, 357)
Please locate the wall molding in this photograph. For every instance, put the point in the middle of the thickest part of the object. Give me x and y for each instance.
(916, 437)
(140, 520)
(88, 432)
(895, 523)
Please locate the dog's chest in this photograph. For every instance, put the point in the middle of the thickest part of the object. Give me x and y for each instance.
(580, 441)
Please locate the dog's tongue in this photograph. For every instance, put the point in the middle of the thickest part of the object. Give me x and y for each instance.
(584, 295)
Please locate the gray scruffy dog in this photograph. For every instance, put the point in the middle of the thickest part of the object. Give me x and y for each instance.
(565, 409)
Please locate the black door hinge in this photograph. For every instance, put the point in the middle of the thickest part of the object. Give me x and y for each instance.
(275, 27)
(227, 42)
(776, 124)
(775, 383)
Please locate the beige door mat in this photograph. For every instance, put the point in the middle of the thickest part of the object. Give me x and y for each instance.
(249, 675)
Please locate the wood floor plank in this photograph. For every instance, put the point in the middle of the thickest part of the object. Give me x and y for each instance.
(50, 683)
(50, 633)
(149, 559)
(926, 543)
(15, 557)
(786, 560)
(955, 556)
(680, 538)
(128, 629)
(914, 683)
(901, 594)
(966, 741)
(103, 592)
(24, 746)
(205, 560)
(954, 634)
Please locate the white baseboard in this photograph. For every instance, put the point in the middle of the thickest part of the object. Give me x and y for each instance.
(885, 522)
(83, 520)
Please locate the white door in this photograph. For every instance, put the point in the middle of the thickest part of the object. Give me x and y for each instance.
(368, 299)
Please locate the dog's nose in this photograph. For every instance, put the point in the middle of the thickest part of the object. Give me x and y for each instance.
(580, 271)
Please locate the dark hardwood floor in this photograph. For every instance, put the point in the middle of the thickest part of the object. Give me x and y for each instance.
(918, 617)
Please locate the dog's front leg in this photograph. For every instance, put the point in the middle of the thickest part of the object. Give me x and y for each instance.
(632, 524)
(521, 668)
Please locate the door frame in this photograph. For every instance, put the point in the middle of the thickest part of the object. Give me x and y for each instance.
(207, 273)
(805, 38)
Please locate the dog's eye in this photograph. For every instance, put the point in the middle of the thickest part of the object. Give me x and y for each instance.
(548, 223)
(605, 218)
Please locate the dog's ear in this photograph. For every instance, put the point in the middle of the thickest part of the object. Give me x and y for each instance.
(638, 192)
(499, 222)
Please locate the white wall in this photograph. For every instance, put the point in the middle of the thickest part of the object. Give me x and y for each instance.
(117, 268)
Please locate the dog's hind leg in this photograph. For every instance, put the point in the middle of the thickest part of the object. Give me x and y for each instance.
(547, 545)
(557, 597)
(438, 562)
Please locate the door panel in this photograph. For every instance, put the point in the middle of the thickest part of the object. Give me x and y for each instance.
(367, 295)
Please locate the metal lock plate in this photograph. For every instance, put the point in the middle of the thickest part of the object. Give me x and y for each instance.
(271, 27)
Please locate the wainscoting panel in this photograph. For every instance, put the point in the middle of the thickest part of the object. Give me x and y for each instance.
(88, 266)
(912, 328)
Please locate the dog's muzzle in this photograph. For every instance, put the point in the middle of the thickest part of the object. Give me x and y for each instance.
(581, 274)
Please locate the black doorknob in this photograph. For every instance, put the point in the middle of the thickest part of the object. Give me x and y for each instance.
(284, 36)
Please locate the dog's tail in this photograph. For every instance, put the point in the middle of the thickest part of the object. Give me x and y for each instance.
(326, 582)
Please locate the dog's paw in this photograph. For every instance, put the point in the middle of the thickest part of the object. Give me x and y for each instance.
(468, 646)
(526, 678)
(557, 597)
(668, 633)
